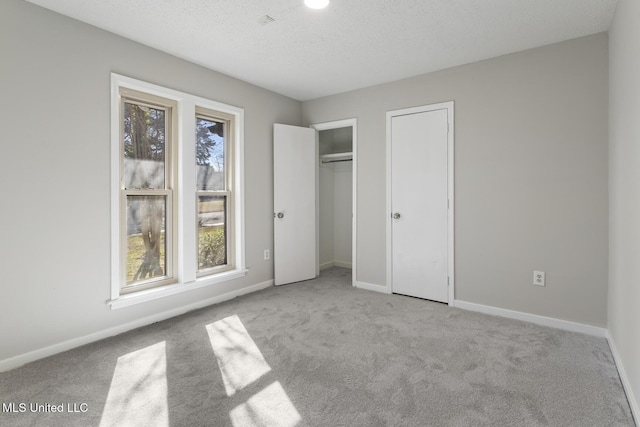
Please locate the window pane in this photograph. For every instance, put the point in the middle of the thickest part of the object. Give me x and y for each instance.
(146, 243)
(210, 154)
(144, 146)
(212, 231)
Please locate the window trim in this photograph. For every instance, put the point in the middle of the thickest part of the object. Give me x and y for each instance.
(185, 275)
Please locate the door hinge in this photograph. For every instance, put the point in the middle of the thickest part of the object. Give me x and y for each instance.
(448, 283)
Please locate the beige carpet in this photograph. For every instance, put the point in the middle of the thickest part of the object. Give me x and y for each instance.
(321, 353)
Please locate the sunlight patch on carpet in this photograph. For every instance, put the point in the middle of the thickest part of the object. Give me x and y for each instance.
(241, 362)
(138, 392)
(269, 407)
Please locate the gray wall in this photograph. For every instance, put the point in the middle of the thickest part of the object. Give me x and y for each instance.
(54, 169)
(624, 192)
(530, 175)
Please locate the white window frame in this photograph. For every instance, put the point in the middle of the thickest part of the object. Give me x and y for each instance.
(170, 107)
(185, 274)
(228, 192)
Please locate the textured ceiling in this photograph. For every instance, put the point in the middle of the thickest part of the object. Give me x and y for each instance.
(306, 54)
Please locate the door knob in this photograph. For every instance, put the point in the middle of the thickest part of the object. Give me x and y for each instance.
(396, 215)
(280, 215)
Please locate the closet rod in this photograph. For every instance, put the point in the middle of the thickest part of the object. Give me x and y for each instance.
(336, 161)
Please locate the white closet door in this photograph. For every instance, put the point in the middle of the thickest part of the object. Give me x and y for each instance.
(294, 179)
(419, 204)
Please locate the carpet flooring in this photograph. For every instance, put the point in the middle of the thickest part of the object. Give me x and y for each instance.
(322, 353)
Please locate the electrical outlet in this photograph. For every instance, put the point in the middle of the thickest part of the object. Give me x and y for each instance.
(538, 278)
(266, 255)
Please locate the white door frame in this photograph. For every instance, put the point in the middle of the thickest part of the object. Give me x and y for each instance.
(450, 216)
(354, 192)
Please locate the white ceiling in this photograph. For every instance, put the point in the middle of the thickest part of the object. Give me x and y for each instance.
(306, 54)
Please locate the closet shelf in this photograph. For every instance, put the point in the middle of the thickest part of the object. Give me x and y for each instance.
(336, 157)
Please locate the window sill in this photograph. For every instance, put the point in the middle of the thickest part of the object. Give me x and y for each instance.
(139, 297)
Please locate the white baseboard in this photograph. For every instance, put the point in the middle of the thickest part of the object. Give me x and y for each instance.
(626, 384)
(335, 264)
(17, 361)
(371, 287)
(533, 318)
(326, 265)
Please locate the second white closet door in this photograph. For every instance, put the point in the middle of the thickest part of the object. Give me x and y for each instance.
(419, 204)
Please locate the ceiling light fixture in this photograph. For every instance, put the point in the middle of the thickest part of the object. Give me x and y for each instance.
(316, 4)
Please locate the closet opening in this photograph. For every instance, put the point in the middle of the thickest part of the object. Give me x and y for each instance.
(336, 195)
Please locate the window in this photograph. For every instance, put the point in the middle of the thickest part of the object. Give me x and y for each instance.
(213, 190)
(176, 195)
(147, 182)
